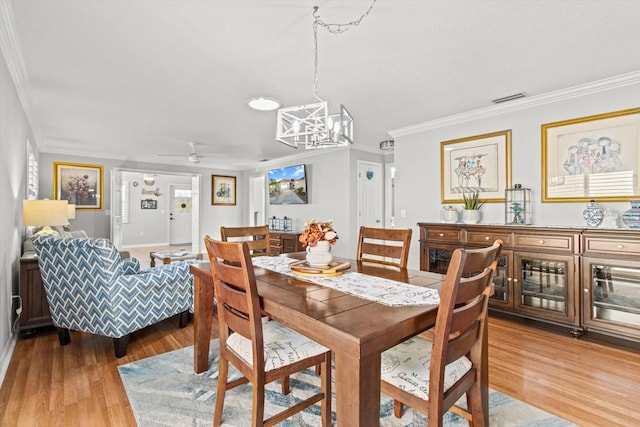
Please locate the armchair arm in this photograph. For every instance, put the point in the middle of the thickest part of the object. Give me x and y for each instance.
(130, 266)
(157, 294)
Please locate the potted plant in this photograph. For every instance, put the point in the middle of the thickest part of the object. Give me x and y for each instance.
(472, 205)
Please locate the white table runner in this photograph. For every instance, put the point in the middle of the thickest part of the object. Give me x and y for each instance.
(383, 291)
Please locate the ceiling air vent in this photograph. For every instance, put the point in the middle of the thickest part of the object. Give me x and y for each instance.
(509, 98)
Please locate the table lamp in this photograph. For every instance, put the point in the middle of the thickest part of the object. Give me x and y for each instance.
(71, 212)
(45, 213)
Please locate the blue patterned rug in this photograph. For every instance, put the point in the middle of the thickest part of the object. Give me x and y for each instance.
(164, 391)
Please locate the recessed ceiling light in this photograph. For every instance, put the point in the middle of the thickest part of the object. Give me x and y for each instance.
(263, 104)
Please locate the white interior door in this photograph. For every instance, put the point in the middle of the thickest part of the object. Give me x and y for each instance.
(370, 194)
(180, 210)
(389, 195)
(257, 200)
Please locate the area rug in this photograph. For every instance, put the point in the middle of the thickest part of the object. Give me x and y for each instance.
(164, 391)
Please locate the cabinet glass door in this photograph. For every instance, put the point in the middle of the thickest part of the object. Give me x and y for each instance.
(501, 281)
(616, 293)
(439, 259)
(542, 283)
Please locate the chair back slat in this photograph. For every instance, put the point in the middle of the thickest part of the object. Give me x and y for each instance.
(257, 238)
(236, 293)
(377, 245)
(461, 319)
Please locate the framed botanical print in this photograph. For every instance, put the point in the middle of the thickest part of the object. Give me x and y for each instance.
(80, 184)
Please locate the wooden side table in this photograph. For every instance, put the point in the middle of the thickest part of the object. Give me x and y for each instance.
(168, 257)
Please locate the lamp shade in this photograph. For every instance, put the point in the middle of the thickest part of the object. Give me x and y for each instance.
(45, 212)
(71, 211)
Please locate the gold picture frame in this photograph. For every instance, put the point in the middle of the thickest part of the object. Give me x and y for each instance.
(223, 190)
(592, 158)
(80, 184)
(476, 163)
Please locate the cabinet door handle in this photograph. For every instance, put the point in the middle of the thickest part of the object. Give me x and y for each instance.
(586, 291)
(515, 280)
(620, 246)
(541, 242)
(508, 279)
(487, 238)
(441, 234)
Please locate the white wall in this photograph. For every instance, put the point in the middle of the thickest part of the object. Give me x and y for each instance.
(96, 222)
(14, 131)
(417, 160)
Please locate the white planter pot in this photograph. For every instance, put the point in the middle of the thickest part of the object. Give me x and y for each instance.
(320, 254)
(470, 216)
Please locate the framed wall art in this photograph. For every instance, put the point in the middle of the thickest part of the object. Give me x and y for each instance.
(148, 204)
(223, 190)
(79, 184)
(479, 163)
(593, 157)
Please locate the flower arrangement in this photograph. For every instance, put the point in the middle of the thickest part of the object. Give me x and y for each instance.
(315, 231)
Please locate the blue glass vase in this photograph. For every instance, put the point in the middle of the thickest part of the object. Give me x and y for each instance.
(631, 218)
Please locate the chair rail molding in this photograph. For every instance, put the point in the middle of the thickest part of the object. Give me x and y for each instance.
(609, 83)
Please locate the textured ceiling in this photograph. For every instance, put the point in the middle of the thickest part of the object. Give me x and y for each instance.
(131, 79)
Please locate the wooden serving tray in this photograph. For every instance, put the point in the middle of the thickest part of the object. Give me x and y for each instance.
(335, 268)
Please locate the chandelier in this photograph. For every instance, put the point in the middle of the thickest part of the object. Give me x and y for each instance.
(311, 125)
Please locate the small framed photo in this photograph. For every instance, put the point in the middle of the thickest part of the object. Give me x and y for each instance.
(593, 157)
(223, 190)
(148, 204)
(79, 184)
(480, 163)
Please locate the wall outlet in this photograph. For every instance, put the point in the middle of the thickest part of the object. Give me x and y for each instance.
(403, 213)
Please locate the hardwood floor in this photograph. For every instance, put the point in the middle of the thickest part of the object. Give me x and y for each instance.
(588, 383)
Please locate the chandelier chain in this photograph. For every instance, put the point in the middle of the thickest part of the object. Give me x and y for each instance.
(333, 29)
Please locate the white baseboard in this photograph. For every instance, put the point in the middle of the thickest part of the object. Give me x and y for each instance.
(5, 357)
(145, 245)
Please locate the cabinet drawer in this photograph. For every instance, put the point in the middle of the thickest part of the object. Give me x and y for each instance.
(488, 237)
(544, 241)
(612, 246)
(444, 235)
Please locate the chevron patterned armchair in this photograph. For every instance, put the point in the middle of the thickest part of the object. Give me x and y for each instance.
(90, 289)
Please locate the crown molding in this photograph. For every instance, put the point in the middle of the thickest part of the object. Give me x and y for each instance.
(10, 47)
(523, 103)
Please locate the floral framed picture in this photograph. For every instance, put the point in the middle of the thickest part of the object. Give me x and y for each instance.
(80, 184)
(223, 190)
(594, 157)
(148, 204)
(480, 163)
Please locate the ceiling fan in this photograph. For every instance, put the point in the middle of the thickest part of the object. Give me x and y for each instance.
(193, 156)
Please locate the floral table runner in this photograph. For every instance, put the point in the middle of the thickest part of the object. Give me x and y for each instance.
(383, 291)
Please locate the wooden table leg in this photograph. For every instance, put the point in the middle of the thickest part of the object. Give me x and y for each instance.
(358, 390)
(153, 259)
(202, 321)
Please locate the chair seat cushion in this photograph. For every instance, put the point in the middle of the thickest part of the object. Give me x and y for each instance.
(282, 346)
(406, 366)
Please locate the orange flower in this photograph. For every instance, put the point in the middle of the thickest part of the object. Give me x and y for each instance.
(315, 231)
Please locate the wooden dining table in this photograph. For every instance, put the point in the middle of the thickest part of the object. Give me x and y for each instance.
(355, 329)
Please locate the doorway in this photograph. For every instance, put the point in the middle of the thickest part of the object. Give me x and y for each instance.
(370, 194)
(136, 224)
(257, 201)
(180, 206)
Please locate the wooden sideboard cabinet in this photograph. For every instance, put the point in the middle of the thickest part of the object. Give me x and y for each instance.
(35, 309)
(611, 282)
(284, 242)
(538, 270)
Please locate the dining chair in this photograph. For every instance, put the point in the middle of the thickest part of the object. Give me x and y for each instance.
(262, 351)
(257, 238)
(430, 376)
(388, 246)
